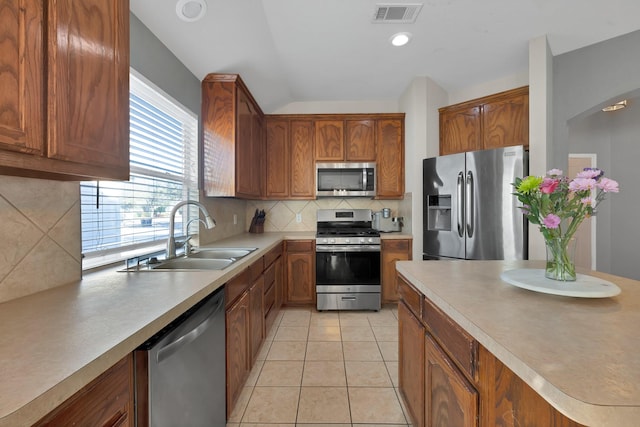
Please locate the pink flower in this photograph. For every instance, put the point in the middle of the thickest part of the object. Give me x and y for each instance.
(551, 221)
(549, 185)
(589, 173)
(608, 185)
(587, 201)
(581, 184)
(554, 172)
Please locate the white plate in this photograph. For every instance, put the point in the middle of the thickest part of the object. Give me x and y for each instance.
(584, 286)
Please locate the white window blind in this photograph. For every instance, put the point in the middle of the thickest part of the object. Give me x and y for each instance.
(117, 217)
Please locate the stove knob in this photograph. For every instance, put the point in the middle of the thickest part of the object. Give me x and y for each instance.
(370, 240)
(346, 240)
(363, 240)
(332, 240)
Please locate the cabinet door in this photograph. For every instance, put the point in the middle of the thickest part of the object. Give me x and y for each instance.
(106, 401)
(256, 317)
(390, 168)
(329, 136)
(88, 81)
(237, 345)
(22, 77)
(279, 283)
(248, 147)
(277, 158)
(411, 363)
(449, 398)
(506, 123)
(460, 130)
(302, 178)
(392, 251)
(300, 288)
(360, 141)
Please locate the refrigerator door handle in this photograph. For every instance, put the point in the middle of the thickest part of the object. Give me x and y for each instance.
(459, 197)
(469, 211)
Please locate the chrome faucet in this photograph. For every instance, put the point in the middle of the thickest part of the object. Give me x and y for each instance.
(171, 241)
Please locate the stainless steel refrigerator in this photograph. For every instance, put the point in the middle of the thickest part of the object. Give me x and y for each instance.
(469, 209)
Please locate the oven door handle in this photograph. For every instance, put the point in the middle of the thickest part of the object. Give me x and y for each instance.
(347, 248)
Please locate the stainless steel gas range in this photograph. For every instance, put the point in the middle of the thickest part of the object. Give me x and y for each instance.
(347, 260)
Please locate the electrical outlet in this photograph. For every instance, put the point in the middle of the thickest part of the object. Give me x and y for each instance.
(235, 219)
(298, 217)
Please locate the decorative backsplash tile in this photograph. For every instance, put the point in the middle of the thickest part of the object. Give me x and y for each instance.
(281, 215)
(40, 229)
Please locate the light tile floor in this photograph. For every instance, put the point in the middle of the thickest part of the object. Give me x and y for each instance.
(325, 368)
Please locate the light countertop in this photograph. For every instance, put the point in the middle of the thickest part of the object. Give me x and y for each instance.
(55, 342)
(581, 355)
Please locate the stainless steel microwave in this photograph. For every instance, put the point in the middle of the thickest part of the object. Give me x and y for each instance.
(345, 179)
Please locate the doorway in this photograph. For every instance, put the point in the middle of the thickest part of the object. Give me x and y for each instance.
(585, 236)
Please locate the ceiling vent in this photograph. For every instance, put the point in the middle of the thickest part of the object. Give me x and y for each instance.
(396, 13)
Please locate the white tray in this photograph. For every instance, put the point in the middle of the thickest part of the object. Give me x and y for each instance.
(584, 286)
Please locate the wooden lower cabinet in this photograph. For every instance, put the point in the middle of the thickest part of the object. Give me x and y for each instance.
(448, 379)
(107, 401)
(252, 306)
(411, 363)
(237, 346)
(390, 252)
(450, 400)
(301, 272)
(256, 317)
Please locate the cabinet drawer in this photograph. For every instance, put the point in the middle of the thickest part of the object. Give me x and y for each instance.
(269, 275)
(299, 245)
(106, 401)
(236, 286)
(460, 345)
(256, 269)
(269, 298)
(396, 245)
(410, 296)
(272, 255)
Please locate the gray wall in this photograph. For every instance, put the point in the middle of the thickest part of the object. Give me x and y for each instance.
(584, 81)
(153, 60)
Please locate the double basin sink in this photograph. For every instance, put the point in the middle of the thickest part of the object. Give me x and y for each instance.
(202, 259)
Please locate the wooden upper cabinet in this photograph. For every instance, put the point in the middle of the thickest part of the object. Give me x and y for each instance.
(460, 130)
(290, 163)
(390, 159)
(80, 77)
(277, 158)
(302, 178)
(22, 77)
(360, 141)
(506, 122)
(232, 135)
(495, 121)
(329, 139)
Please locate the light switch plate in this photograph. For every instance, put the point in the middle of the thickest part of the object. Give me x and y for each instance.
(298, 217)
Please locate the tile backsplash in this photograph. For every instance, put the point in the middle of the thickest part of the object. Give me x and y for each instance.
(41, 239)
(281, 215)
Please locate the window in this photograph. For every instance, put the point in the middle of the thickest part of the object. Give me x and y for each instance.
(118, 217)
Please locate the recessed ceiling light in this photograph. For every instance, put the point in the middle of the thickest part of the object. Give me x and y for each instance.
(617, 106)
(191, 10)
(400, 39)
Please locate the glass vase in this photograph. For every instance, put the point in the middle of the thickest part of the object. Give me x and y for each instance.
(560, 259)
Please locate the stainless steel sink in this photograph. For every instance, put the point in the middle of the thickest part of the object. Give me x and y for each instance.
(193, 264)
(200, 259)
(220, 253)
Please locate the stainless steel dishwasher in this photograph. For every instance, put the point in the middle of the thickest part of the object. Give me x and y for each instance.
(180, 371)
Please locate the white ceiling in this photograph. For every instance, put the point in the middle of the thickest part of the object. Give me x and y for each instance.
(328, 50)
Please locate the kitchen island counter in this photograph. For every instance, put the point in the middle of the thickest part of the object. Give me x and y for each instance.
(55, 342)
(580, 355)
